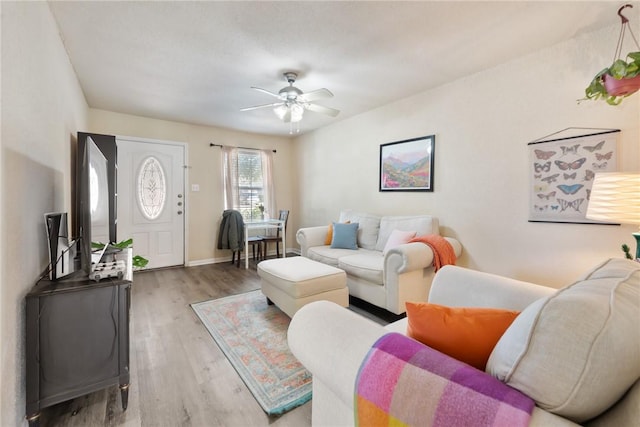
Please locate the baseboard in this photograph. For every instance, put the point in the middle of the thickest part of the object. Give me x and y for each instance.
(207, 261)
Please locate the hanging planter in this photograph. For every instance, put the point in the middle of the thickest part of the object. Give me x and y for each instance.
(621, 87)
(622, 78)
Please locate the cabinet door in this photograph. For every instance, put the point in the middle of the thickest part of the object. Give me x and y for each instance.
(78, 339)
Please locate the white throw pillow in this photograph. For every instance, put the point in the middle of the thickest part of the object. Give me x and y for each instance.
(578, 351)
(397, 238)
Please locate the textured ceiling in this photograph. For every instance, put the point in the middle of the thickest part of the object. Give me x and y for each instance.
(195, 62)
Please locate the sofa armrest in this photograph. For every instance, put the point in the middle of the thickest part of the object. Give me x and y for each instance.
(311, 236)
(331, 342)
(462, 287)
(407, 257)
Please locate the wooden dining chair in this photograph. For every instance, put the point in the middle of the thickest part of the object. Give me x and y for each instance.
(283, 216)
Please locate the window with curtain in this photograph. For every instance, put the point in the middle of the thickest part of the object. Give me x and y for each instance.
(248, 183)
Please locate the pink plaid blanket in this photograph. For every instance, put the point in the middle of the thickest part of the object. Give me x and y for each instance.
(402, 382)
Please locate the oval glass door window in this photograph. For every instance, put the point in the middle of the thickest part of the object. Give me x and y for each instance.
(152, 188)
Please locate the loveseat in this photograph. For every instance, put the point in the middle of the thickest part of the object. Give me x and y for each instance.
(574, 351)
(386, 279)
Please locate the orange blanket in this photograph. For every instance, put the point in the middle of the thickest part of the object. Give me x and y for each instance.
(443, 253)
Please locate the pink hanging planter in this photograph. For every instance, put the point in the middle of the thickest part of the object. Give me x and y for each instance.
(622, 87)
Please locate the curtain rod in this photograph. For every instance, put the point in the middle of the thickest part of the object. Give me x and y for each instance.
(244, 148)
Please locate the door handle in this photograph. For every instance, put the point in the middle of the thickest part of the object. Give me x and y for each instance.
(179, 212)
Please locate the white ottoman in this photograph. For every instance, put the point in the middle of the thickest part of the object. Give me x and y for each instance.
(292, 282)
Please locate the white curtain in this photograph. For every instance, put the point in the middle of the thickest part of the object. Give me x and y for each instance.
(230, 168)
(267, 184)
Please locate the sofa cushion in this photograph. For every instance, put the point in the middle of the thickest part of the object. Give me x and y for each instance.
(327, 255)
(397, 238)
(422, 224)
(367, 265)
(467, 334)
(368, 229)
(344, 236)
(577, 351)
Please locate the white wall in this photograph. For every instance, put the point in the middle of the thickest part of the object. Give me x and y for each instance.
(482, 125)
(205, 206)
(42, 108)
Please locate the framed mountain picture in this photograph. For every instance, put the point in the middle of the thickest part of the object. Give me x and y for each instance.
(407, 165)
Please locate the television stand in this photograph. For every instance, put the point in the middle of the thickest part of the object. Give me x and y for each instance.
(77, 340)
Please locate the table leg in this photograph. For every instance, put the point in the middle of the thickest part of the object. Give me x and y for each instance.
(284, 245)
(246, 247)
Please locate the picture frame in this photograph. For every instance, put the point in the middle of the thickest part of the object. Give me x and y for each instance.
(407, 165)
(561, 173)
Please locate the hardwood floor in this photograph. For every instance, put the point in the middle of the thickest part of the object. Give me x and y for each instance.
(179, 376)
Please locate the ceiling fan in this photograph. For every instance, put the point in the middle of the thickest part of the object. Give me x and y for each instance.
(292, 102)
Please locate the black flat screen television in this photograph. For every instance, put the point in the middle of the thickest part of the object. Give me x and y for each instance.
(95, 200)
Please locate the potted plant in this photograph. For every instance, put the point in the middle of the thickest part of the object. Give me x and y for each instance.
(137, 260)
(616, 82)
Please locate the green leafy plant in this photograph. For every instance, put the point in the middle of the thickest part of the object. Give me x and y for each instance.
(620, 69)
(138, 261)
(626, 250)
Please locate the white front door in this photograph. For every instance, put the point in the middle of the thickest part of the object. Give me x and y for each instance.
(151, 199)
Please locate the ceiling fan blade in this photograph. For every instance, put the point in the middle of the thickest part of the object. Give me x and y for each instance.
(316, 94)
(255, 107)
(322, 109)
(266, 91)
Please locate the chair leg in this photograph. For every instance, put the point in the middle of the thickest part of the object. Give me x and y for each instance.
(277, 249)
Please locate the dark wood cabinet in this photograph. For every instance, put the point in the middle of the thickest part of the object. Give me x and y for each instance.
(77, 340)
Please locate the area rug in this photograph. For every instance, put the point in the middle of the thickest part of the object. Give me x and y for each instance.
(253, 336)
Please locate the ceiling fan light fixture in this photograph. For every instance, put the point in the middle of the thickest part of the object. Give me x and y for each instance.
(296, 112)
(281, 111)
(290, 112)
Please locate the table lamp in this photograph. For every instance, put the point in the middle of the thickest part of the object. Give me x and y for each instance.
(615, 197)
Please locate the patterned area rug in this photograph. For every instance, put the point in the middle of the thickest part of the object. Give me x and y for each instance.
(253, 336)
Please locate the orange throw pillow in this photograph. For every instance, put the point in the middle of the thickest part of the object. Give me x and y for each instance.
(329, 238)
(466, 334)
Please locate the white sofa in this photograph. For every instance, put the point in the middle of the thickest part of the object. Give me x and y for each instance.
(403, 274)
(576, 351)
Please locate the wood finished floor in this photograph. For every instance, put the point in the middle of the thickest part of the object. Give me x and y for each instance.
(179, 376)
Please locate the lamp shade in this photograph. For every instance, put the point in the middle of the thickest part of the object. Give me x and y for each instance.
(615, 197)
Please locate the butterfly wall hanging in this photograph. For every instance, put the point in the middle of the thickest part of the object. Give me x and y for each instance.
(561, 171)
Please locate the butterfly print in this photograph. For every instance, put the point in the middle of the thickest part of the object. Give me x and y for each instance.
(576, 164)
(604, 156)
(570, 150)
(588, 175)
(542, 167)
(554, 207)
(570, 175)
(547, 196)
(588, 194)
(570, 189)
(537, 175)
(599, 166)
(541, 208)
(544, 155)
(551, 178)
(596, 147)
(574, 204)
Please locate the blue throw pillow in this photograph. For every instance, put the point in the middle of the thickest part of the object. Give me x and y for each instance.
(345, 235)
